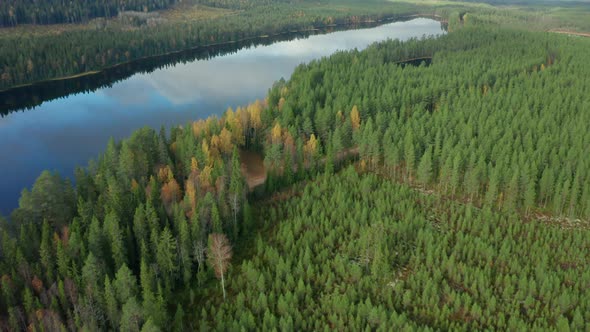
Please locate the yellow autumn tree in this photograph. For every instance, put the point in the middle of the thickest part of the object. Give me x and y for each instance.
(355, 118)
(198, 128)
(229, 113)
(134, 185)
(214, 149)
(284, 91)
(281, 103)
(205, 177)
(225, 141)
(194, 164)
(236, 129)
(311, 147)
(243, 117)
(255, 110)
(276, 134)
(165, 174)
(191, 193)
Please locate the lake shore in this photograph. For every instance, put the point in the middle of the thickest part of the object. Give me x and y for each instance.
(367, 22)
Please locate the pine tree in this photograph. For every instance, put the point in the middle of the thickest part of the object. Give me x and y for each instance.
(166, 256)
(131, 316)
(178, 323)
(125, 284)
(529, 196)
(112, 305)
(62, 260)
(329, 164)
(492, 192)
(424, 174)
(114, 235)
(409, 154)
(235, 190)
(185, 250)
(91, 274)
(217, 225)
(46, 252)
(546, 185)
(150, 326)
(455, 173)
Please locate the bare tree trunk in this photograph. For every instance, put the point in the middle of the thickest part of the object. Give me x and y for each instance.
(223, 286)
(220, 254)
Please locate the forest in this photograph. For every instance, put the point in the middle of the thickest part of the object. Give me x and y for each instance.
(15, 12)
(447, 194)
(31, 54)
(27, 57)
(27, 97)
(450, 192)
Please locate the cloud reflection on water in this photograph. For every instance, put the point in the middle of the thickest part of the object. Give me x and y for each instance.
(64, 133)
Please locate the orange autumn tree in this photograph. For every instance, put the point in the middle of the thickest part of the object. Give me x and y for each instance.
(289, 144)
(170, 192)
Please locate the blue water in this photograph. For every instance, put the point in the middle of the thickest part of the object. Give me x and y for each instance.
(61, 134)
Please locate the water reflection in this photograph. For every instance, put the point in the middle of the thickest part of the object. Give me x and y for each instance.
(66, 132)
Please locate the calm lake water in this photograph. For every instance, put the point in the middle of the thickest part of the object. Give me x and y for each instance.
(63, 133)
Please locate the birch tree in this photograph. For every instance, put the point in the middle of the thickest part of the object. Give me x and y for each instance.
(219, 256)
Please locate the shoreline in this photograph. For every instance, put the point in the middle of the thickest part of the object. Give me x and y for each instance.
(311, 29)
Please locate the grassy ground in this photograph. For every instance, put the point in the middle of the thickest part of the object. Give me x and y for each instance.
(189, 11)
(570, 16)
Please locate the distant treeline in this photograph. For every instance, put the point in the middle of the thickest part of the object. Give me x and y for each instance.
(30, 96)
(14, 12)
(560, 3)
(31, 58)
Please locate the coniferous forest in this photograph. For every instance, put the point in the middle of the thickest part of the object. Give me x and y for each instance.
(34, 53)
(14, 12)
(432, 184)
(31, 54)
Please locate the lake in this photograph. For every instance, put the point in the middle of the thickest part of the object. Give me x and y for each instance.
(59, 125)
